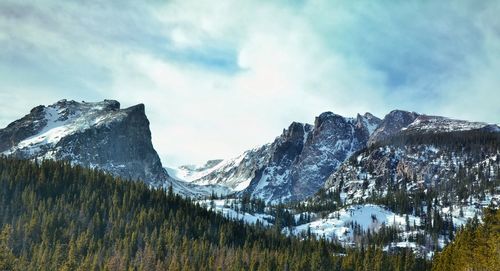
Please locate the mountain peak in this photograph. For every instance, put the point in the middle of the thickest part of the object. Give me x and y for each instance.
(297, 130)
(368, 121)
(369, 115)
(327, 119)
(392, 123)
(91, 134)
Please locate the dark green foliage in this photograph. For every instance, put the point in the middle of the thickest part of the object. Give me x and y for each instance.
(477, 247)
(57, 217)
(470, 141)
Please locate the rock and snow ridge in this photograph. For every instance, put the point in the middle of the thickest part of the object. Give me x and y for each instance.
(95, 135)
(303, 159)
(296, 164)
(300, 160)
(291, 168)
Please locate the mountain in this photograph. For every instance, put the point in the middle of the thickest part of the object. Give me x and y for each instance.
(304, 157)
(293, 167)
(193, 172)
(298, 162)
(392, 124)
(458, 159)
(95, 135)
(406, 181)
(412, 188)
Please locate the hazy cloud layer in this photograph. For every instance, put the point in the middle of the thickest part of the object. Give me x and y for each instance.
(219, 77)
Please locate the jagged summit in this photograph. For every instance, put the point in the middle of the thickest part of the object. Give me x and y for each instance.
(297, 162)
(97, 135)
(291, 168)
(392, 124)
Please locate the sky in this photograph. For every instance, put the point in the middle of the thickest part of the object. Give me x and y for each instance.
(220, 77)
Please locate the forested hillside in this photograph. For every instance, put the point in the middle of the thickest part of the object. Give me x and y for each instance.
(58, 217)
(477, 247)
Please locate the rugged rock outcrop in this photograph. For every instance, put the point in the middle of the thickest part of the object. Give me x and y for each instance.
(298, 162)
(96, 135)
(392, 124)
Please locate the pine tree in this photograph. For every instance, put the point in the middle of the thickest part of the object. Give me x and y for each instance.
(7, 258)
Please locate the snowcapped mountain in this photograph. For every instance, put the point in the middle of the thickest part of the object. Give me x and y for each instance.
(297, 163)
(96, 135)
(292, 168)
(235, 173)
(422, 181)
(459, 159)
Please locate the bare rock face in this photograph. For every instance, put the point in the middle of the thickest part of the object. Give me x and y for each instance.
(392, 123)
(96, 135)
(334, 139)
(297, 163)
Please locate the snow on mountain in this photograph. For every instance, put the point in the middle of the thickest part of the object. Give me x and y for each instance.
(190, 173)
(62, 119)
(229, 209)
(196, 190)
(235, 173)
(339, 225)
(95, 135)
(435, 124)
(297, 163)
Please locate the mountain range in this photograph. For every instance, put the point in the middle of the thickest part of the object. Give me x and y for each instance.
(302, 160)
(306, 158)
(413, 178)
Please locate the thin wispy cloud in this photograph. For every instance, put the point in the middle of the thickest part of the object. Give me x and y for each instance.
(220, 77)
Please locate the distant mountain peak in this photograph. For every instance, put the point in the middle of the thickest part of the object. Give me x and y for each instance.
(392, 124)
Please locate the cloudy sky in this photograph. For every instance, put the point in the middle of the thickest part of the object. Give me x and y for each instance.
(219, 77)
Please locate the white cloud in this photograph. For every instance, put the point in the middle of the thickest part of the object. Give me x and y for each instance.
(287, 75)
(286, 64)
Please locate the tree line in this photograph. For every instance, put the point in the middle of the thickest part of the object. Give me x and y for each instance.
(55, 216)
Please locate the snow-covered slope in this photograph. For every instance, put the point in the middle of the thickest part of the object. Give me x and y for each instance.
(52, 123)
(230, 208)
(190, 173)
(339, 225)
(235, 173)
(437, 124)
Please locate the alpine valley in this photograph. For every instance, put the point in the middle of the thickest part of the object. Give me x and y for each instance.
(404, 184)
